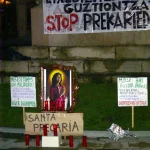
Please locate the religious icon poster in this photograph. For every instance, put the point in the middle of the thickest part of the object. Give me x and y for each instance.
(56, 84)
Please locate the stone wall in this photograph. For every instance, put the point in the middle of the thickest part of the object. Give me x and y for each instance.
(96, 56)
(106, 62)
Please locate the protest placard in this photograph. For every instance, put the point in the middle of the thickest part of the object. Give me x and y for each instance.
(23, 91)
(132, 92)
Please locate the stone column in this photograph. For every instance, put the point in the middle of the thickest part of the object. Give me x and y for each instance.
(21, 18)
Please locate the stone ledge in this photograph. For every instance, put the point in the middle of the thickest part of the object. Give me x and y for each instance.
(83, 52)
(146, 66)
(34, 52)
(14, 66)
(132, 52)
(87, 66)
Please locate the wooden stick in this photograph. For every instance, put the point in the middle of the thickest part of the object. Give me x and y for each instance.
(24, 115)
(132, 116)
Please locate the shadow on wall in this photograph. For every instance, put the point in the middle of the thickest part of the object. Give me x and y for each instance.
(18, 41)
(8, 53)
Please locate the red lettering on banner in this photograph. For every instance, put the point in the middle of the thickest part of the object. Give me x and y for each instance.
(132, 103)
(61, 22)
(58, 19)
(48, 20)
(65, 23)
(72, 22)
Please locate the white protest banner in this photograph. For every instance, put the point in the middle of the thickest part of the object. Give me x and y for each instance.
(132, 91)
(93, 16)
(23, 91)
(67, 123)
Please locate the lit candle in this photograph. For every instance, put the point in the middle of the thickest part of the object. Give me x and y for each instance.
(71, 141)
(27, 139)
(84, 143)
(37, 140)
(45, 129)
(63, 105)
(46, 105)
(55, 129)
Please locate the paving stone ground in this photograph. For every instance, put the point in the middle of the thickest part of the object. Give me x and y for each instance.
(141, 143)
(12, 138)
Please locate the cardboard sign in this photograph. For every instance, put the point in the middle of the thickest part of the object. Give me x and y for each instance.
(67, 123)
(132, 92)
(23, 91)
